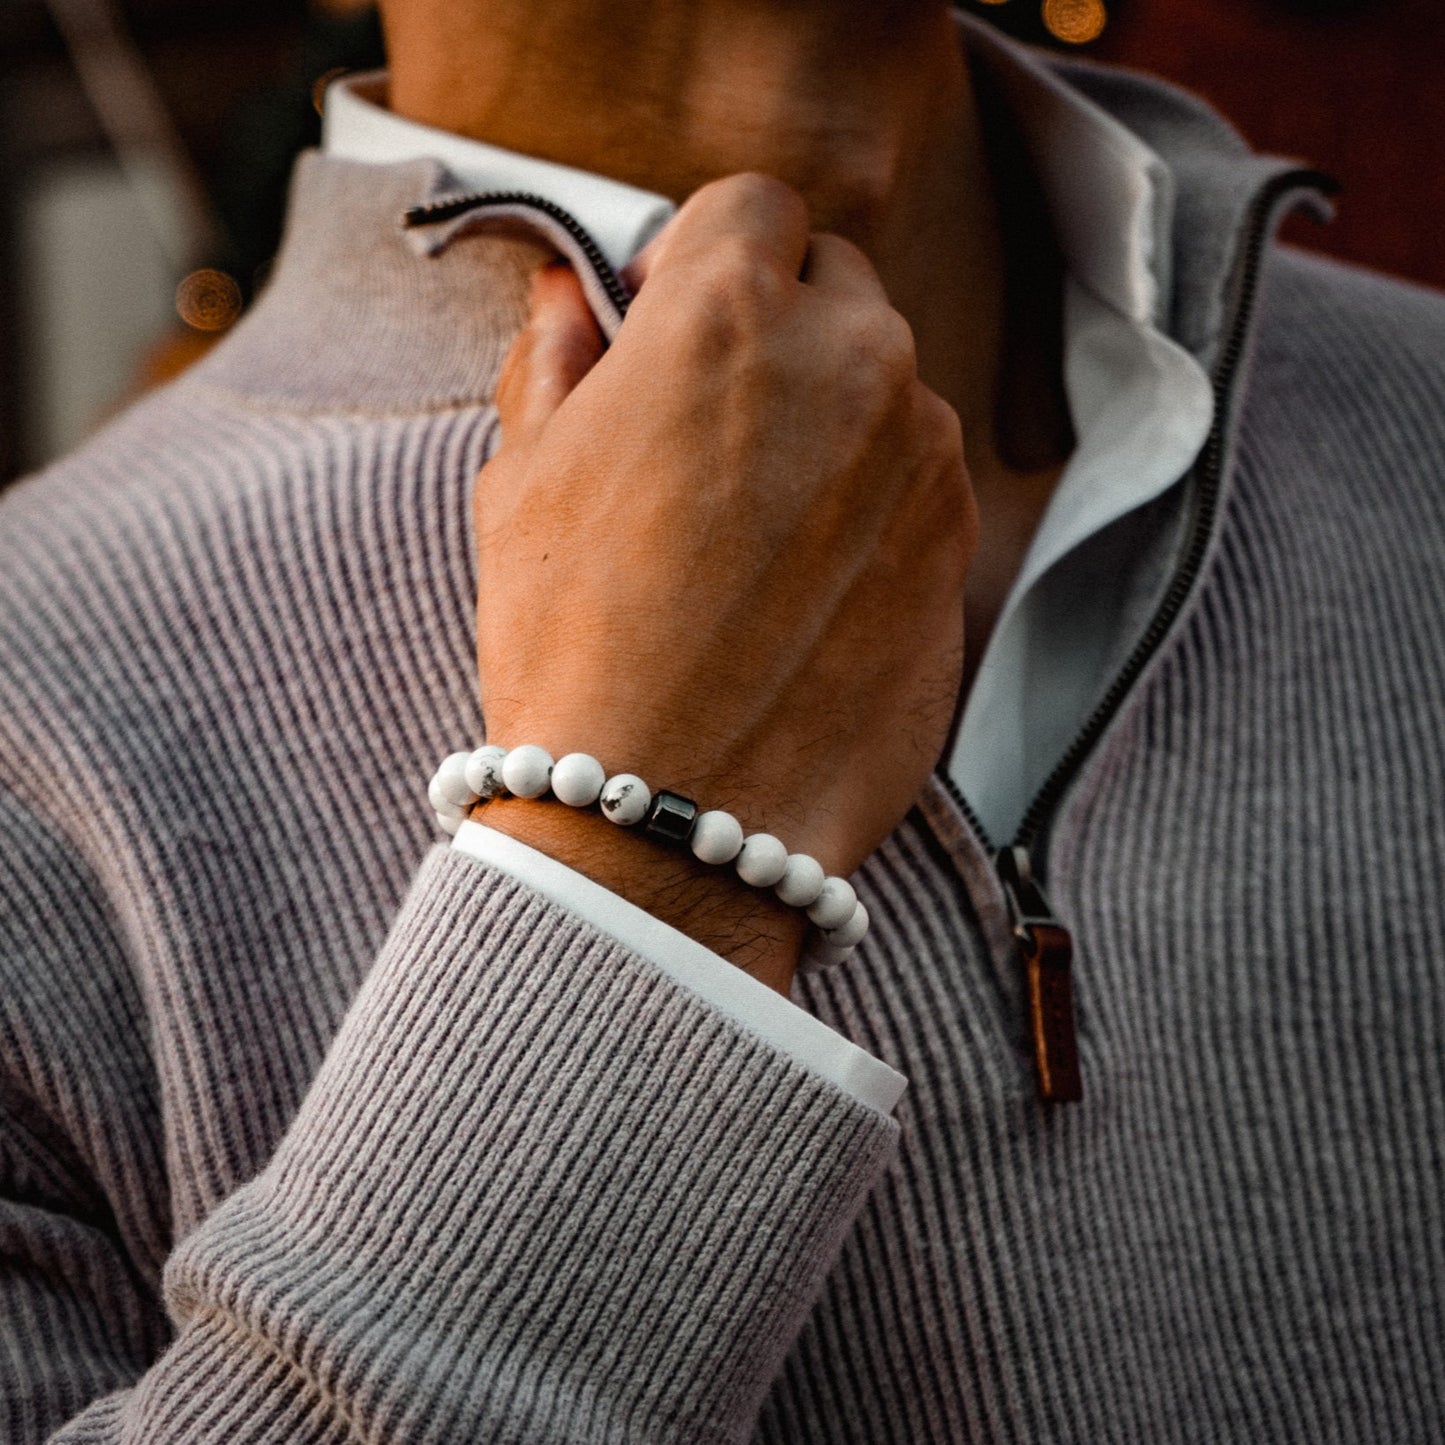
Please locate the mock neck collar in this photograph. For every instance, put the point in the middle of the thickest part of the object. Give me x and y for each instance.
(1217, 183)
(356, 319)
(1110, 197)
(357, 126)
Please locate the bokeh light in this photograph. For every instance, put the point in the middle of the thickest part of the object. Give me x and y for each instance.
(208, 300)
(1076, 22)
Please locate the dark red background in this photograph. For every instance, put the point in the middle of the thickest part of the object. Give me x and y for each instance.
(1360, 95)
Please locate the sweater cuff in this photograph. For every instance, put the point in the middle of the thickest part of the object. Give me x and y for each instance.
(538, 1190)
(759, 1009)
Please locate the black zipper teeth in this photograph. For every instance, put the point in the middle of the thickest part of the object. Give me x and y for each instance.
(1209, 470)
(444, 210)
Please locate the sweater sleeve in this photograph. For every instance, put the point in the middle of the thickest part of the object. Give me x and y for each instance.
(759, 1009)
(538, 1191)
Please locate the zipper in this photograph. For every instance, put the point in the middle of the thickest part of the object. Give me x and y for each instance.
(1046, 949)
(1045, 945)
(451, 206)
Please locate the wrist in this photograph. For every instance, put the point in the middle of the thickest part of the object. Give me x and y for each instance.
(749, 927)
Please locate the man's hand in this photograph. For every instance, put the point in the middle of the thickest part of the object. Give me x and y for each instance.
(728, 555)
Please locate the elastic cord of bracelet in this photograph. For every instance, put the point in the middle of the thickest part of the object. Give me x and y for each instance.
(713, 836)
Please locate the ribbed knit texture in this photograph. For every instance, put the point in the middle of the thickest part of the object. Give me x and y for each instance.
(313, 1132)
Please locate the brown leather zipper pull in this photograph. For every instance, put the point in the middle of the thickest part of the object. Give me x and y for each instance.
(1047, 951)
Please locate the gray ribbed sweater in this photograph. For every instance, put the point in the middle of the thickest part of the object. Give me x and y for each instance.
(310, 1131)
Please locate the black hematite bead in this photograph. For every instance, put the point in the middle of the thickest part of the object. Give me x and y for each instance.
(670, 818)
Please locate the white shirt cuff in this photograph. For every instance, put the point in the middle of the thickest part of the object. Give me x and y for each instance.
(759, 1009)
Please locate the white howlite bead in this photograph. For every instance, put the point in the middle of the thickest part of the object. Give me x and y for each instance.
(577, 780)
(834, 904)
(484, 770)
(849, 934)
(717, 837)
(526, 771)
(625, 799)
(450, 783)
(450, 822)
(763, 860)
(802, 880)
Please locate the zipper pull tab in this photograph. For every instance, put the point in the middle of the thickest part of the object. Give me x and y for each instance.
(1048, 953)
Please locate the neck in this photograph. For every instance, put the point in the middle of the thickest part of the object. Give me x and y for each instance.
(829, 95)
(866, 107)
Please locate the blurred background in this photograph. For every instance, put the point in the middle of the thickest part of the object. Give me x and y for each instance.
(145, 147)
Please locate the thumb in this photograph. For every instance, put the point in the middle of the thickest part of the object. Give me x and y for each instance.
(558, 347)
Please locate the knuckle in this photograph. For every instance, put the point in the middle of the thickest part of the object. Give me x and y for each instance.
(740, 279)
(829, 246)
(886, 340)
(899, 347)
(846, 249)
(748, 204)
(942, 429)
(743, 262)
(755, 193)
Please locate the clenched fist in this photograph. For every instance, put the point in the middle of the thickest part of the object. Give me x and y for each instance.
(728, 555)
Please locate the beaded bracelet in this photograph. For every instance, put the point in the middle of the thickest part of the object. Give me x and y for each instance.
(714, 836)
